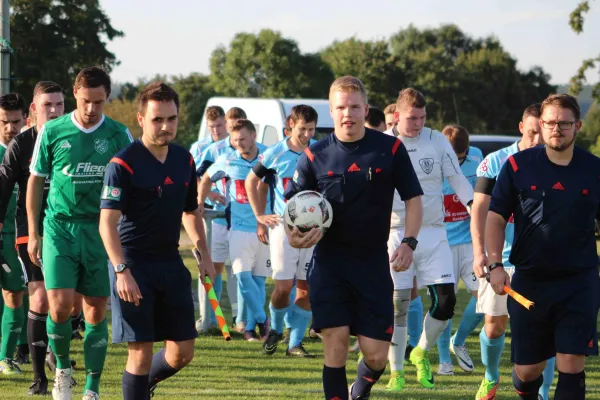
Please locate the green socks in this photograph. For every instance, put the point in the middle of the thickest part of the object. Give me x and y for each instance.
(95, 346)
(59, 340)
(12, 325)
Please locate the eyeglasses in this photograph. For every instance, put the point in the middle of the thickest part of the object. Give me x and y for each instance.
(562, 125)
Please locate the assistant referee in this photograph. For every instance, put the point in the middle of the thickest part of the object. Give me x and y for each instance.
(151, 185)
(554, 193)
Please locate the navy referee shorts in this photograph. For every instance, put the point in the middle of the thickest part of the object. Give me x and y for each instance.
(166, 310)
(352, 289)
(563, 319)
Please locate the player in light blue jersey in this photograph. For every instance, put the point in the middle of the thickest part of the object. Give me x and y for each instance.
(489, 303)
(279, 162)
(249, 256)
(456, 218)
(205, 152)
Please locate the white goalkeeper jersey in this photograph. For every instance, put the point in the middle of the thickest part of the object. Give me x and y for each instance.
(433, 159)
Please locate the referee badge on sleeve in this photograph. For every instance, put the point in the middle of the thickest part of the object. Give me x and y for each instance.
(111, 193)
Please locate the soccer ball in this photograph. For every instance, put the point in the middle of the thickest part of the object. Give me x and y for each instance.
(307, 210)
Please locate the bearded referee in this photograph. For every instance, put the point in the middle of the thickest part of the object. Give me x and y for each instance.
(149, 190)
(351, 290)
(554, 194)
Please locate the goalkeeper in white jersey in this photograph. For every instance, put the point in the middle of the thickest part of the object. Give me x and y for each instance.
(433, 160)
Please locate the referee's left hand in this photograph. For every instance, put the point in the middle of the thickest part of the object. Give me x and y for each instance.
(402, 258)
(300, 240)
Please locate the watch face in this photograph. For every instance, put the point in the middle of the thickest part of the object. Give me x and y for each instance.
(120, 267)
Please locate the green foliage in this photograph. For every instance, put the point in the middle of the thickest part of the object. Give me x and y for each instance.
(577, 82)
(267, 65)
(54, 39)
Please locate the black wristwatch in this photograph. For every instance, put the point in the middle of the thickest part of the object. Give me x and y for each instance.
(120, 268)
(493, 266)
(411, 242)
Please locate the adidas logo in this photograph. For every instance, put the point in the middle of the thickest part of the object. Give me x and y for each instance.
(354, 168)
(54, 336)
(168, 181)
(65, 145)
(101, 343)
(558, 186)
(39, 344)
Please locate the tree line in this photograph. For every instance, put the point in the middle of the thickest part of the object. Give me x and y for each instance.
(467, 80)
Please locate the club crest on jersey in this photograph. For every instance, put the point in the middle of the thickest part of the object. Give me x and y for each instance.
(426, 165)
(101, 145)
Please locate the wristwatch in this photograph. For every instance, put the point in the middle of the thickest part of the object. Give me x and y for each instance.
(120, 268)
(411, 242)
(492, 267)
(469, 207)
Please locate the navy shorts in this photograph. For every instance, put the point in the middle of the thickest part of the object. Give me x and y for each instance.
(563, 319)
(355, 290)
(166, 310)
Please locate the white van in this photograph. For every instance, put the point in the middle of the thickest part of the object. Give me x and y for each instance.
(268, 115)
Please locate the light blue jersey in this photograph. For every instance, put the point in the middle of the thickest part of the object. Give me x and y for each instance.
(490, 168)
(211, 153)
(231, 170)
(281, 160)
(456, 217)
(197, 148)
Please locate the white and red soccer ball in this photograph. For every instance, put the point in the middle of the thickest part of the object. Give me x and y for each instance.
(307, 210)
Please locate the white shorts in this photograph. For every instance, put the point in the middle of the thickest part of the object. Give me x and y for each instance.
(462, 260)
(490, 303)
(219, 246)
(287, 261)
(432, 261)
(248, 254)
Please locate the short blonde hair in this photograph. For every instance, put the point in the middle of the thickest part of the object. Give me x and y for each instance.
(410, 97)
(390, 109)
(348, 84)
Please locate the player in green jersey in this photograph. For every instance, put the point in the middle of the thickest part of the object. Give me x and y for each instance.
(74, 150)
(12, 278)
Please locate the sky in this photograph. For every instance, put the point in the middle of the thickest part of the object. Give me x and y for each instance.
(177, 37)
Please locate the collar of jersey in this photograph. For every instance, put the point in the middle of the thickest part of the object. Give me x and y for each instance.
(81, 128)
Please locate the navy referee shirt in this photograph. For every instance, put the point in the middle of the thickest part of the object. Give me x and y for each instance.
(152, 197)
(554, 209)
(358, 179)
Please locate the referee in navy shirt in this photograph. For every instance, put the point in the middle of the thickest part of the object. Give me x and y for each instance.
(553, 191)
(351, 288)
(150, 189)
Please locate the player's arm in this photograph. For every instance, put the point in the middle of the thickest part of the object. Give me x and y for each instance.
(10, 173)
(194, 226)
(304, 179)
(40, 167)
(486, 180)
(502, 206)
(258, 191)
(407, 184)
(451, 171)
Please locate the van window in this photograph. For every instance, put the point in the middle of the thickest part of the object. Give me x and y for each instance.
(270, 136)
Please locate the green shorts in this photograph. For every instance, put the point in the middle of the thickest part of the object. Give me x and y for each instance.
(12, 275)
(73, 257)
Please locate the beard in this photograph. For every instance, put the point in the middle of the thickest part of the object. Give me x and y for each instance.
(563, 146)
(164, 138)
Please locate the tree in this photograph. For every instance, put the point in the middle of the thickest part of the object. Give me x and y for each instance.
(124, 111)
(194, 91)
(591, 126)
(54, 39)
(576, 20)
(369, 61)
(474, 82)
(266, 65)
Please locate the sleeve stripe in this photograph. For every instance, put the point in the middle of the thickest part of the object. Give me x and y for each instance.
(191, 160)
(395, 147)
(36, 154)
(129, 135)
(513, 163)
(122, 163)
(309, 154)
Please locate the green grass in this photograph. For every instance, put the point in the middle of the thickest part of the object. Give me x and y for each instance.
(238, 370)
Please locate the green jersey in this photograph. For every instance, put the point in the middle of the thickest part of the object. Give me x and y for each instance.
(75, 158)
(9, 219)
